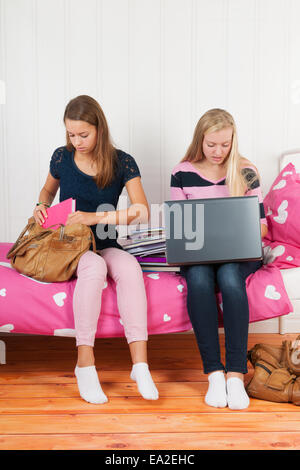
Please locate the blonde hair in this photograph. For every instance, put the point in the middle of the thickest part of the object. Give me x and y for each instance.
(212, 121)
(84, 108)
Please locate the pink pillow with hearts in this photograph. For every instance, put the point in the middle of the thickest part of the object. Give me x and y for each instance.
(282, 207)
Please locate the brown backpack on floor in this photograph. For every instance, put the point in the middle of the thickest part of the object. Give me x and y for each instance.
(276, 372)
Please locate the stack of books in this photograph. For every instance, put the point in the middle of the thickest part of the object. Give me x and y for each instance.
(149, 248)
(144, 242)
(156, 263)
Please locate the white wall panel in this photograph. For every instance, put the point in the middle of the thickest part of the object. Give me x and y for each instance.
(144, 92)
(292, 129)
(178, 102)
(21, 112)
(51, 89)
(270, 93)
(81, 47)
(113, 66)
(241, 71)
(211, 56)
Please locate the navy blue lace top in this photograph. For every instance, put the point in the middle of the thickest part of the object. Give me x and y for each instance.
(82, 187)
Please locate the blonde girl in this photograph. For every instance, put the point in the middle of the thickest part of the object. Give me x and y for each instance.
(212, 168)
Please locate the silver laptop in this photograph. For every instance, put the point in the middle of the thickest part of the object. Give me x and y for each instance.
(217, 230)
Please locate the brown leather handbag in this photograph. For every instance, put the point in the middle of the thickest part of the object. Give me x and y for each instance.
(50, 255)
(276, 372)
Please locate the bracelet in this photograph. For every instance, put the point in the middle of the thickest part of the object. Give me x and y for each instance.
(42, 203)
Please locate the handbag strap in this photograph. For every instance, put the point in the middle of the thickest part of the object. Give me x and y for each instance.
(30, 224)
(19, 244)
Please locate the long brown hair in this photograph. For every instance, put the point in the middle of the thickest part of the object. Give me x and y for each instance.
(84, 108)
(212, 121)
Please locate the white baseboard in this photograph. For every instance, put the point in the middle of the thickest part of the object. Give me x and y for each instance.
(265, 326)
(291, 323)
(290, 326)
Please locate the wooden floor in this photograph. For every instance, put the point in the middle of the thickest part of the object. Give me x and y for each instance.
(40, 407)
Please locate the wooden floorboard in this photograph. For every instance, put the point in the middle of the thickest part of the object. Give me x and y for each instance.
(162, 441)
(40, 407)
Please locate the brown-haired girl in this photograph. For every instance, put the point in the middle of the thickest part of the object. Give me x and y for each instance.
(92, 171)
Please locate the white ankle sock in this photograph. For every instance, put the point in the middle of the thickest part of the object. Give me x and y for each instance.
(236, 394)
(89, 385)
(216, 393)
(141, 375)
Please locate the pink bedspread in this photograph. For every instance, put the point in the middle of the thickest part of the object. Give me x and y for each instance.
(265, 288)
(32, 307)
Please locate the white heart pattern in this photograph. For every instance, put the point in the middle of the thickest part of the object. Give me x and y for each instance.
(287, 173)
(167, 317)
(3, 292)
(271, 293)
(7, 328)
(59, 298)
(280, 185)
(153, 275)
(282, 213)
(289, 258)
(270, 255)
(180, 287)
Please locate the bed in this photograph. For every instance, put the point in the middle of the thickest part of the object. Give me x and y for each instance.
(31, 307)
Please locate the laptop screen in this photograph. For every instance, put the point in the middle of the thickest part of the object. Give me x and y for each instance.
(213, 230)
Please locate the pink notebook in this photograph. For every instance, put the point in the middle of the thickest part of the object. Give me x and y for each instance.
(58, 213)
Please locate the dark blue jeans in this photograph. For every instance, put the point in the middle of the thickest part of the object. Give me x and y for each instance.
(202, 309)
